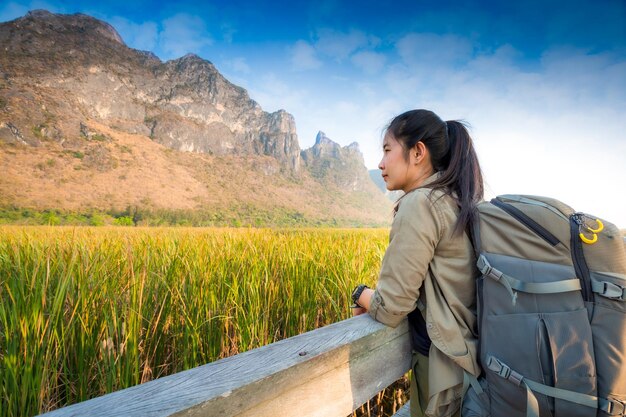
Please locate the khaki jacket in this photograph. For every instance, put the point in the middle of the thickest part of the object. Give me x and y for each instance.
(426, 266)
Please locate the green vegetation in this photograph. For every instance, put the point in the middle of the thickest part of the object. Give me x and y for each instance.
(123, 221)
(38, 131)
(75, 154)
(12, 215)
(86, 311)
(241, 215)
(99, 137)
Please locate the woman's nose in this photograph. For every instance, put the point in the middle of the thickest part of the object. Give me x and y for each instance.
(381, 165)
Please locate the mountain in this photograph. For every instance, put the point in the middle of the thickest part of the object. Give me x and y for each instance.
(87, 123)
(329, 162)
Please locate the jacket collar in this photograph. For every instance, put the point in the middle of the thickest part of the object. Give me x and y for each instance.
(430, 179)
(425, 184)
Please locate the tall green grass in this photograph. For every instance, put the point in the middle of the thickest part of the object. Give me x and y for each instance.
(86, 311)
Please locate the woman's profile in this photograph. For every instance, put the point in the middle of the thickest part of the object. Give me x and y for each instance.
(428, 272)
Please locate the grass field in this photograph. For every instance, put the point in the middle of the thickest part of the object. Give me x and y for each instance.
(85, 311)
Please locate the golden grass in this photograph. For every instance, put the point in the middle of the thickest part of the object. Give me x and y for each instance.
(86, 311)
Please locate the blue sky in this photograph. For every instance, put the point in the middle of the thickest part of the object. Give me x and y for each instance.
(542, 83)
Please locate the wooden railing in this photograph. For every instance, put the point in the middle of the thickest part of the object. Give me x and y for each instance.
(326, 372)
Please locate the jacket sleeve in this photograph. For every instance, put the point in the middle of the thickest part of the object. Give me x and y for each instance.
(415, 233)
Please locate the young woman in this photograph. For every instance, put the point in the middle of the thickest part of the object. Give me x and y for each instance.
(428, 272)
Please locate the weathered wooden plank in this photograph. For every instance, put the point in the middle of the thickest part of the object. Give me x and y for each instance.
(325, 372)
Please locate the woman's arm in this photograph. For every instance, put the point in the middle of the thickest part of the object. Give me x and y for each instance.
(415, 233)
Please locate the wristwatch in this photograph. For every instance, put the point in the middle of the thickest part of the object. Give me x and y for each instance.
(356, 294)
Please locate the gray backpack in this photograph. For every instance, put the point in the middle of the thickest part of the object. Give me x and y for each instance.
(551, 312)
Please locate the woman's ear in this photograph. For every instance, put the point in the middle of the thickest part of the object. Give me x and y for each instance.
(419, 152)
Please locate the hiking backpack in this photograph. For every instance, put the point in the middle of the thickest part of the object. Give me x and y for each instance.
(551, 309)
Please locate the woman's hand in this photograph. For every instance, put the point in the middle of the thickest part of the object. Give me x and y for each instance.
(357, 311)
(364, 300)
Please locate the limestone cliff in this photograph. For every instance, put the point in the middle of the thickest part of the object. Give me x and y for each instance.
(330, 162)
(185, 104)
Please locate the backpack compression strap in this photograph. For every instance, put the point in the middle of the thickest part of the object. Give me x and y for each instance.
(612, 407)
(511, 283)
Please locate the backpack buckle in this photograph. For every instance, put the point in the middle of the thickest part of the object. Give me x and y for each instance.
(612, 291)
(504, 371)
(483, 265)
(616, 407)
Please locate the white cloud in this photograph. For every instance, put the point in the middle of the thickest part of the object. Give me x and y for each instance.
(366, 89)
(274, 93)
(303, 56)
(345, 107)
(369, 62)
(182, 34)
(228, 31)
(143, 36)
(399, 79)
(428, 50)
(340, 45)
(578, 71)
(240, 65)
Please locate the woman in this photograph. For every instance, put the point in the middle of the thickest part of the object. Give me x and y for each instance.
(428, 272)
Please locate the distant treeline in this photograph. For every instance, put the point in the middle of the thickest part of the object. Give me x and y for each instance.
(236, 216)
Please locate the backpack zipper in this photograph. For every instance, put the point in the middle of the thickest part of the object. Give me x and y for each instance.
(531, 201)
(517, 214)
(578, 256)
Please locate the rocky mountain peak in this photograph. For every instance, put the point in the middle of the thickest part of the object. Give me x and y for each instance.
(326, 147)
(322, 139)
(329, 161)
(43, 21)
(354, 146)
(38, 14)
(194, 62)
(191, 57)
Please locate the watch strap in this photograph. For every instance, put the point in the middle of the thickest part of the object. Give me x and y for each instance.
(356, 294)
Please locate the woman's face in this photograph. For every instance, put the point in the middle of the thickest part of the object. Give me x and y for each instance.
(395, 169)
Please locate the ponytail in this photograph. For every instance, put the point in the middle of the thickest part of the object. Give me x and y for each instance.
(462, 178)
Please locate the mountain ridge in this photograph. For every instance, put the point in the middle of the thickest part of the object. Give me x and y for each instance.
(87, 122)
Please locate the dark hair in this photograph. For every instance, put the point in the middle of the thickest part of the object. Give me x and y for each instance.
(451, 153)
